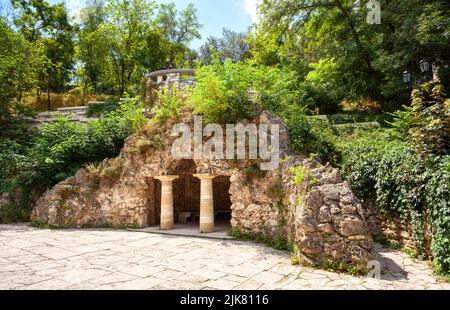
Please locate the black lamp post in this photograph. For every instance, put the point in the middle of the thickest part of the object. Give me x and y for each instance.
(407, 77)
(424, 66)
(424, 74)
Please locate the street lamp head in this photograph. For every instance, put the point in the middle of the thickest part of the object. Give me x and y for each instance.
(406, 77)
(424, 66)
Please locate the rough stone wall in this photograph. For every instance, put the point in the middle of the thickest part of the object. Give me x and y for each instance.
(331, 221)
(393, 229)
(320, 215)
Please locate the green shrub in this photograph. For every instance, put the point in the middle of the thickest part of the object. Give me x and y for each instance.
(10, 214)
(426, 124)
(300, 174)
(57, 150)
(438, 201)
(430, 131)
(221, 93)
(102, 108)
(278, 243)
(169, 106)
(311, 135)
(382, 167)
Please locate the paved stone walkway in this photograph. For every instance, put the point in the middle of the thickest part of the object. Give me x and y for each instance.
(33, 258)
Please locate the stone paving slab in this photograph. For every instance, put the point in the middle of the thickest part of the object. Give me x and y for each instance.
(101, 259)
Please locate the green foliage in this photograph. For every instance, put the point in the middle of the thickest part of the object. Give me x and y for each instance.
(437, 197)
(19, 63)
(430, 130)
(379, 166)
(294, 255)
(178, 29)
(395, 172)
(99, 109)
(231, 46)
(343, 268)
(311, 135)
(46, 27)
(57, 150)
(47, 226)
(300, 174)
(340, 56)
(221, 93)
(10, 214)
(360, 117)
(426, 124)
(348, 129)
(169, 106)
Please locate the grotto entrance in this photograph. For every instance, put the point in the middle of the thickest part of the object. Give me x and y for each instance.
(185, 199)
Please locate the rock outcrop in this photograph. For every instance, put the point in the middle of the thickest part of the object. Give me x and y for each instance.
(317, 211)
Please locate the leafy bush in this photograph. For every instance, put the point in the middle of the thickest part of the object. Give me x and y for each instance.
(57, 150)
(222, 96)
(101, 108)
(311, 135)
(426, 124)
(430, 131)
(221, 93)
(378, 165)
(169, 106)
(437, 196)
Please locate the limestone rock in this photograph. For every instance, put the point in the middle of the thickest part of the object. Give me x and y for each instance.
(321, 215)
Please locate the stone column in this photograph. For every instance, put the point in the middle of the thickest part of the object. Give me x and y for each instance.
(206, 202)
(167, 201)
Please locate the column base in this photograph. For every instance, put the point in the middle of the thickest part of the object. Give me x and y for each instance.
(166, 226)
(207, 228)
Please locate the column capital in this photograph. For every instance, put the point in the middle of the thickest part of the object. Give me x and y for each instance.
(206, 176)
(166, 178)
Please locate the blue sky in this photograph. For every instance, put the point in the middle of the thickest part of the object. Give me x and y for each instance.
(214, 15)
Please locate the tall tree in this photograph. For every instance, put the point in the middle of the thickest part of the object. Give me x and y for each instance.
(232, 45)
(126, 33)
(333, 47)
(19, 64)
(91, 49)
(46, 26)
(179, 29)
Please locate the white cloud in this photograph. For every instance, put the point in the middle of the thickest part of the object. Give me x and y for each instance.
(251, 7)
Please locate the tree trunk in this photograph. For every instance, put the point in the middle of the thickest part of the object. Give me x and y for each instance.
(374, 92)
(49, 101)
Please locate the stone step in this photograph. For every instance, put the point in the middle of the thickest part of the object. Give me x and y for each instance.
(72, 109)
(61, 113)
(51, 120)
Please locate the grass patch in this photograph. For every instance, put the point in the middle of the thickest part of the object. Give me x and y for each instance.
(353, 270)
